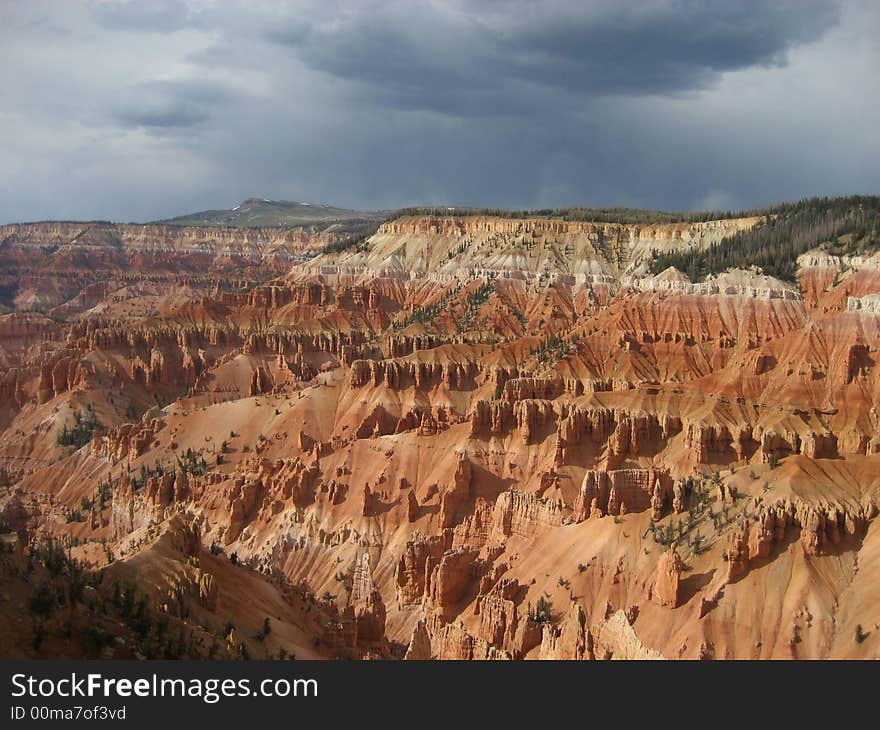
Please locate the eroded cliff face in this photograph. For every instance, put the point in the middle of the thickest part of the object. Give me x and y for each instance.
(475, 439)
(65, 269)
(294, 243)
(440, 249)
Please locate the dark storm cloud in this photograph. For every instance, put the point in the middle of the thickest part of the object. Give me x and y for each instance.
(665, 47)
(140, 110)
(445, 58)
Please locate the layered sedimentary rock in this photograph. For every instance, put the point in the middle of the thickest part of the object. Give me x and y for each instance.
(466, 438)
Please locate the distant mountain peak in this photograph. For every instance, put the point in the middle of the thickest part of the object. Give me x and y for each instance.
(256, 212)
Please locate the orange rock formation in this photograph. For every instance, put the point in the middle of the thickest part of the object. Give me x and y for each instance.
(471, 438)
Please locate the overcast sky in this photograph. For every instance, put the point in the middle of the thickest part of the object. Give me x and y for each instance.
(153, 108)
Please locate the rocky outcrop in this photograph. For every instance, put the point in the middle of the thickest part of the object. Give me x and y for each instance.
(517, 389)
(614, 638)
(666, 587)
(369, 609)
(401, 374)
(419, 557)
(419, 647)
(450, 578)
(456, 494)
(626, 433)
(525, 515)
(570, 640)
(490, 417)
(620, 491)
(133, 509)
(823, 529)
(706, 441)
(454, 642)
(503, 622)
(127, 441)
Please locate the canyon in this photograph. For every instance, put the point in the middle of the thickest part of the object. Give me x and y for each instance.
(465, 437)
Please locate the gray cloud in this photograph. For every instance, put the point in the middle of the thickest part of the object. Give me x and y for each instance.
(136, 111)
(161, 16)
(170, 104)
